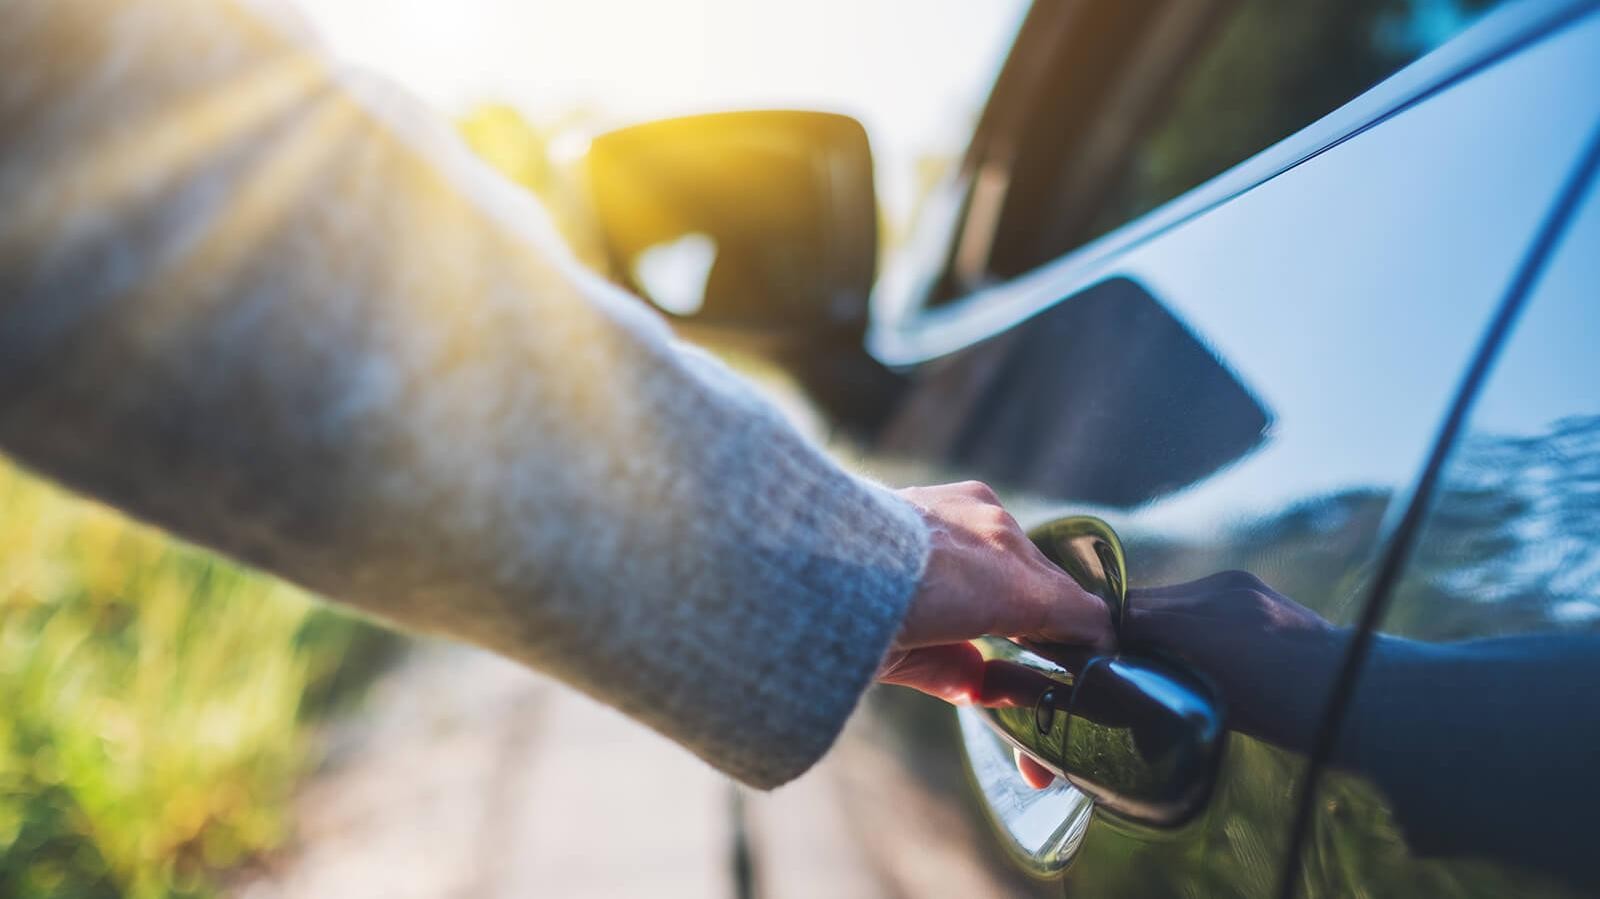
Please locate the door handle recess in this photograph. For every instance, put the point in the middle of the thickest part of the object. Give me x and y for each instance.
(1140, 737)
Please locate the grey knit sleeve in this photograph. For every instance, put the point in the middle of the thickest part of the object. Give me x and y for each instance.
(284, 314)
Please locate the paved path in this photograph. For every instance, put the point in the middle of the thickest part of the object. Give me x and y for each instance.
(468, 776)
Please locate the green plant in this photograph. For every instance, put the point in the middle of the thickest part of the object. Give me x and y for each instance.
(151, 696)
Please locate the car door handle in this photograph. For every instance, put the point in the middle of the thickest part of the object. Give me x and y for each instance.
(1141, 736)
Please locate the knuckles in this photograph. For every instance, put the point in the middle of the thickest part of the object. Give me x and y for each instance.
(979, 490)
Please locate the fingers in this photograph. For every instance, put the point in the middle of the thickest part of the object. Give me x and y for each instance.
(1007, 685)
(1049, 606)
(952, 672)
(984, 576)
(977, 490)
(1074, 616)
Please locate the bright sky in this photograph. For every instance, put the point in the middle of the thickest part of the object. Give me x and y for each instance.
(915, 73)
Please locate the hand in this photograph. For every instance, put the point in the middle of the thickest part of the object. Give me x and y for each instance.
(984, 576)
(1272, 658)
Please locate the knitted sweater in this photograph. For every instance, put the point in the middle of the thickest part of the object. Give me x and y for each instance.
(280, 311)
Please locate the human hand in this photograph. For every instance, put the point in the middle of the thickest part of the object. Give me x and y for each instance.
(1272, 658)
(984, 576)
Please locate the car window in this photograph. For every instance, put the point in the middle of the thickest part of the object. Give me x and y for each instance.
(1271, 69)
(1467, 766)
(1106, 113)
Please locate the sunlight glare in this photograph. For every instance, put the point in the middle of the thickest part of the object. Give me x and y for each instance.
(914, 73)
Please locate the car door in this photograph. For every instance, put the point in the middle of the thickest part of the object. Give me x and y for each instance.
(1248, 378)
(1465, 762)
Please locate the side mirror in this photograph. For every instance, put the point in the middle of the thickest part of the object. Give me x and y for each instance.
(752, 224)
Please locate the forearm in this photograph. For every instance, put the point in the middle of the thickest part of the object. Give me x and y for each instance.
(299, 325)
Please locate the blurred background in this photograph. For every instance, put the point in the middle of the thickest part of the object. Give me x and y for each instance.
(174, 725)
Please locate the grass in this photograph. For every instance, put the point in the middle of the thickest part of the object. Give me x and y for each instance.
(154, 702)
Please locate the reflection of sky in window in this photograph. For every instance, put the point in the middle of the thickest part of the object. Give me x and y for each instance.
(1351, 293)
(916, 74)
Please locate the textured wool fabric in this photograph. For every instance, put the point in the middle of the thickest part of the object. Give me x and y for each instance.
(279, 310)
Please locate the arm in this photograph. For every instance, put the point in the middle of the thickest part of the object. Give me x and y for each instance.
(282, 312)
(1481, 747)
(1484, 747)
(288, 317)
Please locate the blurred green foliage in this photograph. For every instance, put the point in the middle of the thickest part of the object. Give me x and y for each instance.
(155, 701)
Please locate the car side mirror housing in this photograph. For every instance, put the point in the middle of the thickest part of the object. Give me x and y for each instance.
(748, 224)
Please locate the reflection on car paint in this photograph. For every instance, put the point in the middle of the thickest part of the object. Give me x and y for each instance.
(1471, 734)
(1342, 296)
(1042, 827)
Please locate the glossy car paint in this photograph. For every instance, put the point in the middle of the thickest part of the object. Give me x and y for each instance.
(1345, 281)
(1464, 763)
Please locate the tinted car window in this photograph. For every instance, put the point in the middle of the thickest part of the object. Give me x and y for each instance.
(1467, 766)
(1107, 110)
(1270, 70)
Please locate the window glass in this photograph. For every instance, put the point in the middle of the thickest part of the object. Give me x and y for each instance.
(1271, 69)
(1106, 111)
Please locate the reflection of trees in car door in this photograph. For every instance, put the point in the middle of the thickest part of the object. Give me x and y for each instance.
(1514, 543)
(1496, 795)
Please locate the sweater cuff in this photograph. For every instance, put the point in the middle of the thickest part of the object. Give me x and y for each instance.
(853, 589)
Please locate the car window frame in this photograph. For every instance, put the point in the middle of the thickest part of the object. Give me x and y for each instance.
(1133, 63)
(906, 331)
